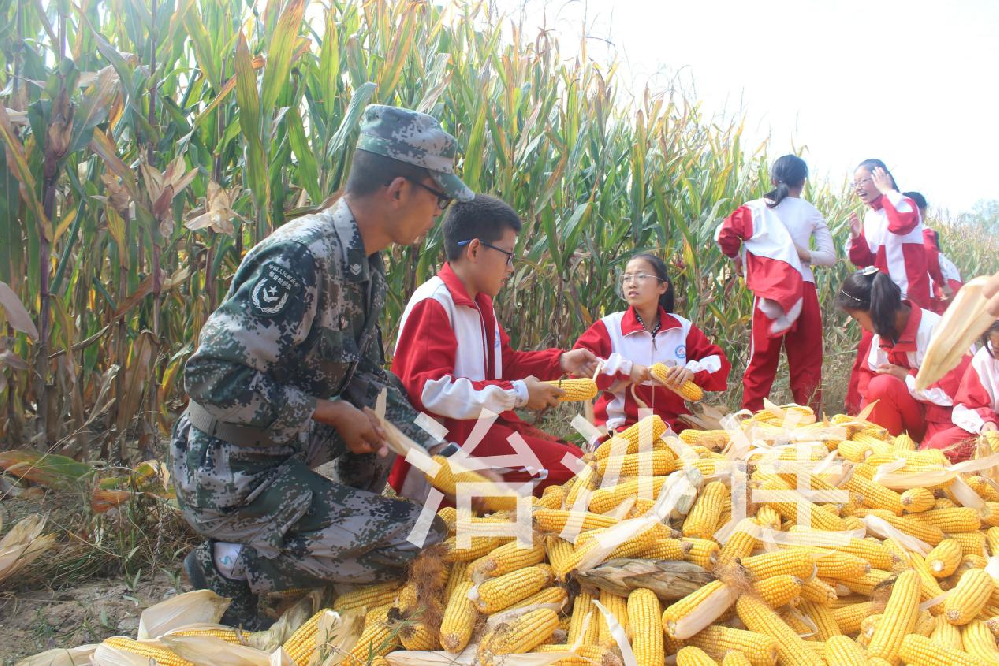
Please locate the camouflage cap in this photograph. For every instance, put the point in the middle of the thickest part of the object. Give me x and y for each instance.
(415, 138)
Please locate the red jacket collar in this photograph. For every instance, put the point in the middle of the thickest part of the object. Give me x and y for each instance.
(907, 339)
(878, 203)
(630, 323)
(458, 292)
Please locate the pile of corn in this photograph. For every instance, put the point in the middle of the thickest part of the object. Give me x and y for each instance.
(894, 569)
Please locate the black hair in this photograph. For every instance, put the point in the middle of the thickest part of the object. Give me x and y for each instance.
(872, 164)
(986, 336)
(917, 198)
(667, 300)
(789, 171)
(370, 171)
(876, 293)
(484, 217)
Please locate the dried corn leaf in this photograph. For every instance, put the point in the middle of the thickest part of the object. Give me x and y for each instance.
(23, 544)
(961, 326)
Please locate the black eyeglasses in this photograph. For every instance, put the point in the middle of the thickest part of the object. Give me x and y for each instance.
(443, 200)
(509, 255)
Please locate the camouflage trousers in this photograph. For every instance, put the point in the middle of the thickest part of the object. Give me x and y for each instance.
(298, 528)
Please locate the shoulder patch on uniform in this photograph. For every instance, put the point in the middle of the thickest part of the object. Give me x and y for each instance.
(273, 290)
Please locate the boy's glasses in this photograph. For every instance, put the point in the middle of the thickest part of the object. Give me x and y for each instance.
(509, 255)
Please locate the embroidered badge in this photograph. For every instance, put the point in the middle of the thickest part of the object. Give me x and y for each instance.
(681, 351)
(273, 290)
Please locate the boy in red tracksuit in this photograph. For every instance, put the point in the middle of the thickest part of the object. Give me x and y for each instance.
(455, 359)
(890, 238)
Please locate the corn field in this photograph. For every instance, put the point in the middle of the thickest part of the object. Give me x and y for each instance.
(148, 144)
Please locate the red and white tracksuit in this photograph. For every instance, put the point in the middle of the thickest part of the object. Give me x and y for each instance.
(622, 340)
(977, 404)
(795, 223)
(900, 407)
(455, 361)
(942, 272)
(892, 241)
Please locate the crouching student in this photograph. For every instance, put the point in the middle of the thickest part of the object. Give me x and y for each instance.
(977, 408)
(901, 335)
(455, 359)
(649, 332)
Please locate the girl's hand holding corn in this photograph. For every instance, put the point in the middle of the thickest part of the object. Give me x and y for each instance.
(676, 376)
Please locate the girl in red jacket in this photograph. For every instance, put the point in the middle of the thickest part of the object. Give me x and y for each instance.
(977, 408)
(901, 333)
(890, 238)
(649, 332)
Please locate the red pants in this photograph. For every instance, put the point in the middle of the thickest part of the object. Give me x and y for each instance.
(957, 443)
(853, 398)
(803, 345)
(548, 450)
(898, 412)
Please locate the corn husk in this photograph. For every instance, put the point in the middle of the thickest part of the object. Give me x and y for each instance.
(61, 657)
(198, 607)
(211, 651)
(961, 326)
(23, 545)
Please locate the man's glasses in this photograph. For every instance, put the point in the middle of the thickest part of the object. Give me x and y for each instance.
(443, 200)
(509, 255)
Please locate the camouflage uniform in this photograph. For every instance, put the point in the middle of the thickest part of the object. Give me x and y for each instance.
(300, 322)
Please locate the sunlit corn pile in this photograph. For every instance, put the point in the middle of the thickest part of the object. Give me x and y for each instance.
(615, 576)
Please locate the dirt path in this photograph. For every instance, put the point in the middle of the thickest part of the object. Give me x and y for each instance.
(34, 621)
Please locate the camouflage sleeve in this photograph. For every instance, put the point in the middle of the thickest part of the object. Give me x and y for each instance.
(246, 345)
(368, 382)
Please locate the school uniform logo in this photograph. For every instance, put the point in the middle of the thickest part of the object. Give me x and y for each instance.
(272, 292)
(681, 351)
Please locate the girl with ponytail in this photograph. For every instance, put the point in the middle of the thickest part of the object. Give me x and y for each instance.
(649, 332)
(890, 238)
(900, 334)
(782, 249)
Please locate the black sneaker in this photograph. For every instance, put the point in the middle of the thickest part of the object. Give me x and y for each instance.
(199, 565)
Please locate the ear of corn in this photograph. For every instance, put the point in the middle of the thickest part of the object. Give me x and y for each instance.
(978, 641)
(576, 390)
(646, 432)
(689, 615)
(504, 591)
(900, 617)
(760, 618)
(509, 557)
(719, 641)
(301, 644)
(152, 650)
(779, 591)
(918, 500)
(921, 651)
(519, 635)
(689, 391)
(584, 626)
(646, 628)
(944, 558)
(969, 597)
(692, 656)
(616, 606)
(703, 517)
(459, 620)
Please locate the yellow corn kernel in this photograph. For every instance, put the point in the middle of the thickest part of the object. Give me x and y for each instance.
(459, 620)
(649, 429)
(957, 519)
(918, 500)
(503, 591)
(865, 584)
(900, 615)
(769, 518)
(576, 390)
(912, 525)
(519, 635)
(921, 651)
(818, 591)
(646, 628)
(736, 659)
(929, 586)
(509, 557)
(944, 558)
(946, 634)
(556, 520)
(553, 497)
(608, 499)
(711, 439)
(584, 627)
(838, 565)
(972, 543)
(822, 518)
(760, 618)
(969, 597)
(480, 547)
(792, 561)
(844, 651)
(874, 495)
(153, 650)
(368, 596)
(703, 552)
(301, 644)
(667, 549)
(377, 639)
(692, 656)
(741, 543)
(616, 606)
(549, 595)
(779, 591)
(703, 517)
(979, 642)
(984, 487)
(849, 618)
(823, 618)
(447, 479)
(586, 655)
(651, 463)
(689, 391)
(460, 573)
(418, 636)
(719, 641)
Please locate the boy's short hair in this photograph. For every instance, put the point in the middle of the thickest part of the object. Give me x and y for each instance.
(369, 171)
(484, 217)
